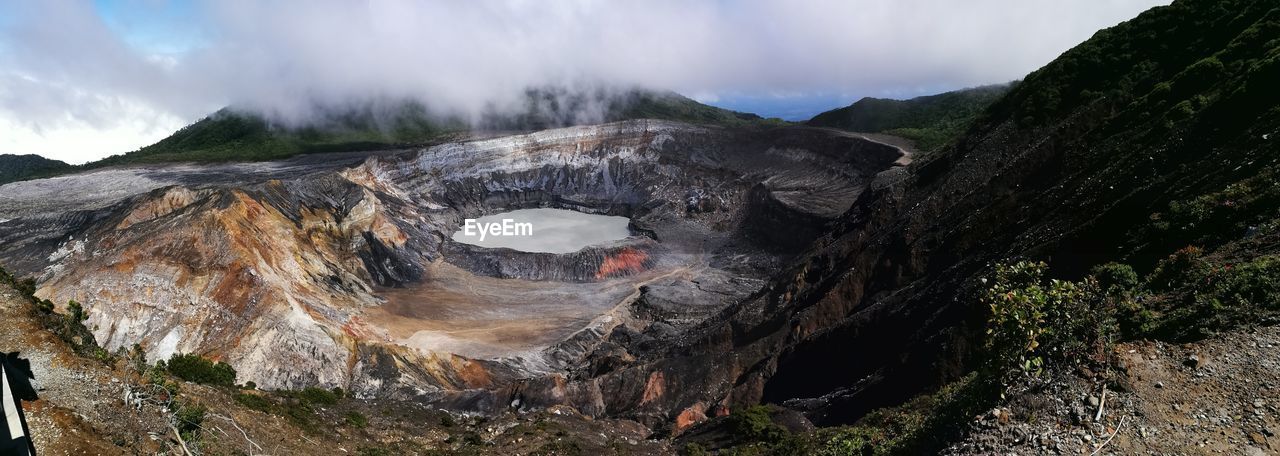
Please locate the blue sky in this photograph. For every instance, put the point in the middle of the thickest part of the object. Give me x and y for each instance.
(156, 26)
(80, 80)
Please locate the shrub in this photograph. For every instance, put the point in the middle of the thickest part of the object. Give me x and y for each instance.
(1033, 322)
(853, 440)
(753, 424)
(75, 312)
(357, 419)
(194, 368)
(137, 357)
(1115, 277)
(923, 425)
(1251, 287)
(190, 416)
(101, 354)
(374, 451)
(1182, 269)
(255, 402)
(1202, 298)
(314, 395)
(693, 449)
(558, 447)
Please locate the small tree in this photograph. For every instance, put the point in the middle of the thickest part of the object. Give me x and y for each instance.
(75, 312)
(194, 368)
(1034, 322)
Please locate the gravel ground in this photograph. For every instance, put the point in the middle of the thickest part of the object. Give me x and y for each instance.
(1216, 396)
(81, 408)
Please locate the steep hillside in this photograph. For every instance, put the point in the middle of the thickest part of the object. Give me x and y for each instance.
(1154, 134)
(95, 402)
(1129, 147)
(21, 167)
(929, 121)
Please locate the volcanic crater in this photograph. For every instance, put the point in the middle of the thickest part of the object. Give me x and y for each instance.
(341, 270)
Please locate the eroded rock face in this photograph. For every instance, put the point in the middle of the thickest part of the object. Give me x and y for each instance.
(320, 274)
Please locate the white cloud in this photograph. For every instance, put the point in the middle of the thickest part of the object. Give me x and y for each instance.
(76, 142)
(65, 71)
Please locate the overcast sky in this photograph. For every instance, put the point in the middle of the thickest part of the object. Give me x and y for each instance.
(81, 80)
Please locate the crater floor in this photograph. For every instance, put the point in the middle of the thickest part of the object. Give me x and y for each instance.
(484, 317)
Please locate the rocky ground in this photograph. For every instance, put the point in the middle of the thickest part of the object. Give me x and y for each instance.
(1216, 396)
(88, 407)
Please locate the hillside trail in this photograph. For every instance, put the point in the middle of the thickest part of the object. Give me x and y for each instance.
(81, 409)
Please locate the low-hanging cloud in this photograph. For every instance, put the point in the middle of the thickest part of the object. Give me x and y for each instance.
(64, 67)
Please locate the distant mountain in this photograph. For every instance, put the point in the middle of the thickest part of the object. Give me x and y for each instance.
(237, 135)
(21, 167)
(929, 121)
(556, 107)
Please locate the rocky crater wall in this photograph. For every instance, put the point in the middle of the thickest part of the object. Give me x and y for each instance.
(281, 274)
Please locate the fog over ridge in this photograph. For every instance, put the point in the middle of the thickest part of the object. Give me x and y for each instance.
(69, 69)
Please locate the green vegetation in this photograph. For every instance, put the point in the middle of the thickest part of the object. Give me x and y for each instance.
(69, 327)
(313, 395)
(357, 419)
(255, 402)
(1248, 207)
(22, 167)
(190, 416)
(1190, 296)
(1149, 67)
(196, 369)
(230, 135)
(374, 451)
(1037, 324)
(753, 424)
(299, 407)
(922, 425)
(640, 104)
(1034, 322)
(930, 121)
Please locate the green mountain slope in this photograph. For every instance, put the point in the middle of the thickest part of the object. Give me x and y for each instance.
(929, 121)
(30, 166)
(230, 135)
(556, 107)
(1154, 144)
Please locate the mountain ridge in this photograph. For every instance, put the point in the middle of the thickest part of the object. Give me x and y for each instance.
(236, 134)
(928, 120)
(21, 167)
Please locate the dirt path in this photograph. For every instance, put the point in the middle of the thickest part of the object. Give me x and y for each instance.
(1216, 396)
(1219, 396)
(902, 144)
